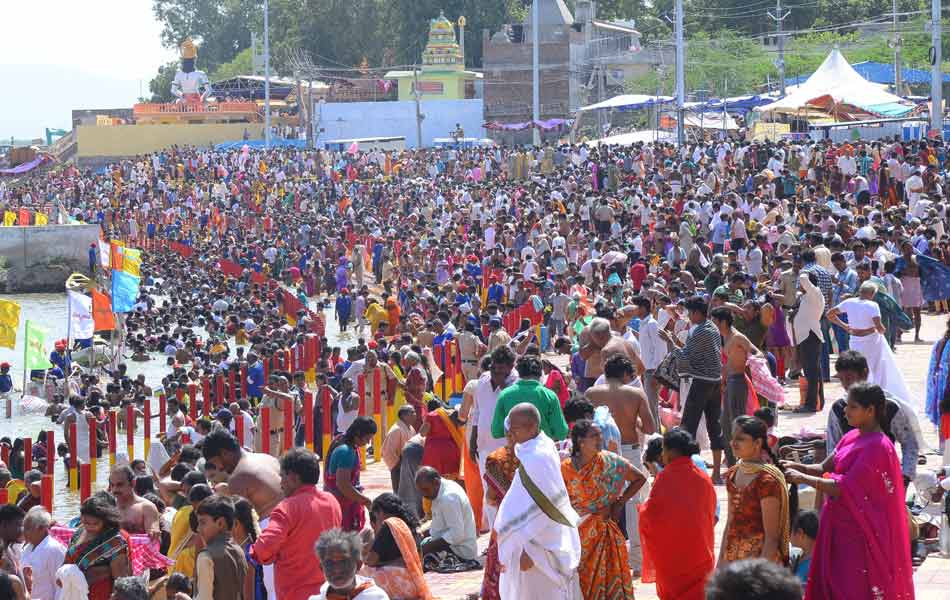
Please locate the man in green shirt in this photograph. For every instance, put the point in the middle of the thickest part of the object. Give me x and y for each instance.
(529, 389)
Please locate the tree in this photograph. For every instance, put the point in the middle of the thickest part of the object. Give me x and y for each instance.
(243, 64)
(161, 84)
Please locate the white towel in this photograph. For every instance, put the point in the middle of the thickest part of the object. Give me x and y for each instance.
(72, 582)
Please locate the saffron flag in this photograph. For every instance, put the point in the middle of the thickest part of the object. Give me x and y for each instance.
(35, 356)
(9, 322)
(132, 261)
(102, 312)
(116, 247)
(125, 291)
(9, 218)
(80, 315)
(42, 219)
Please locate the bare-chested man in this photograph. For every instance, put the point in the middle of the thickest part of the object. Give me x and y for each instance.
(737, 349)
(598, 343)
(629, 408)
(252, 475)
(912, 298)
(138, 515)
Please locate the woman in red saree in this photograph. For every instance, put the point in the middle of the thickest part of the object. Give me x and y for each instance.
(599, 484)
(862, 550)
(677, 522)
(500, 468)
(444, 442)
(99, 548)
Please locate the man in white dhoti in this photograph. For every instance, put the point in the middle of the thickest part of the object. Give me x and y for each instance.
(866, 335)
(536, 526)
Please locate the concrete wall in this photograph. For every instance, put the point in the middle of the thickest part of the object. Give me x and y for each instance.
(40, 259)
(348, 120)
(130, 140)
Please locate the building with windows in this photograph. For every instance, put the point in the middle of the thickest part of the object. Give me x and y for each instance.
(583, 60)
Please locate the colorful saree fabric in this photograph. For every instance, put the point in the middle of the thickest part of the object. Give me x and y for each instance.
(745, 536)
(402, 583)
(500, 468)
(604, 570)
(99, 552)
(862, 550)
(676, 531)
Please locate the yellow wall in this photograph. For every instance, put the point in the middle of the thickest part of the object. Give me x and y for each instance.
(453, 86)
(129, 140)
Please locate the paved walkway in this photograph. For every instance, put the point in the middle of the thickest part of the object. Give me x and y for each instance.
(932, 579)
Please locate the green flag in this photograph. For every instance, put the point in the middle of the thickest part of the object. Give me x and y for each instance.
(35, 357)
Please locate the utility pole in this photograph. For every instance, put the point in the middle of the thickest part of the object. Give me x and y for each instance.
(536, 69)
(778, 17)
(462, 23)
(266, 78)
(419, 116)
(897, 41)
(602, 116)
(936, 76)
(680, 74)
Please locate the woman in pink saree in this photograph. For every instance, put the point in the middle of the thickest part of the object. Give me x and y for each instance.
(863, 545)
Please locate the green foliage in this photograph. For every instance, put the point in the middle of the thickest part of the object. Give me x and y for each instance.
(160, 85)
(242, 64)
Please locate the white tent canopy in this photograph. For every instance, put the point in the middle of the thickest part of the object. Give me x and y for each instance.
(835, 86)
(628, 102)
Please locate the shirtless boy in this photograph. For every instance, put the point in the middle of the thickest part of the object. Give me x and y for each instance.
(629, 408)
(737, 349)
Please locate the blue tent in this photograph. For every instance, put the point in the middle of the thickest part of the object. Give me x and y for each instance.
(259, 144)
(876, 72)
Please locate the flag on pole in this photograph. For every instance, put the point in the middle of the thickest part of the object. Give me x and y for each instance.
(80, 314)
(116, 247)
(35, 357)
(132, 261)
(102, 312)
(125, 291)
(9, 322)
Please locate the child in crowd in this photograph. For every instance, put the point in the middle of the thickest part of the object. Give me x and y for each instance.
(221, 566)
(804, 534)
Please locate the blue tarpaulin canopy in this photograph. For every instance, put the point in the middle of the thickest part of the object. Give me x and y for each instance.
(882, 73)
(259, 144)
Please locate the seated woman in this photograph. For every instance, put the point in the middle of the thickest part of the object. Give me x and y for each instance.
(99, 548)
(393, 561)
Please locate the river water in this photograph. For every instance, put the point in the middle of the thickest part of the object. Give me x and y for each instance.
(49, 311)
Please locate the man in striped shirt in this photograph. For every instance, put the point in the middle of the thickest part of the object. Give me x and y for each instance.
(699, 362)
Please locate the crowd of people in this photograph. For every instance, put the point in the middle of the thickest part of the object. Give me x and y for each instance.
(610, 310)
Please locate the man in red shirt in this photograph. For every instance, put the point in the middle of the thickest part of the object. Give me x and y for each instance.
(295, 525)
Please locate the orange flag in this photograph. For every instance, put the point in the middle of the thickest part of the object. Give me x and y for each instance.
(24, 218)
(102, 311)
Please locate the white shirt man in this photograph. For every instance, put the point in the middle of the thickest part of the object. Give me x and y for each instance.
(483, 411)
(40, 561)
(453, 520)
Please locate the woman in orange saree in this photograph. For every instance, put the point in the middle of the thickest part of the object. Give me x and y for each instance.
(599, 484)
(393, 560)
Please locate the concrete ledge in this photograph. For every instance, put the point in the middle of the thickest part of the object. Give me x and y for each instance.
(41, 258)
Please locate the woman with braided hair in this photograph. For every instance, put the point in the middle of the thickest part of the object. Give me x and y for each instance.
(759, 517)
